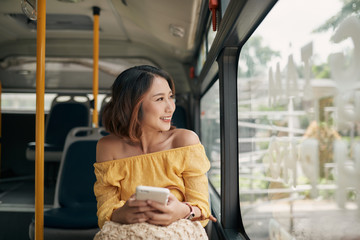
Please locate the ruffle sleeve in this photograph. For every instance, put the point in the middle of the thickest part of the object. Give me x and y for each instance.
(107, 190)
(196, 182)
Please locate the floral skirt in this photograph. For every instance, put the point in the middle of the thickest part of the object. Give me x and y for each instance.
(182, 229)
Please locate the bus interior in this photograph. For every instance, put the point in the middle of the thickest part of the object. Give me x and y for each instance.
(272, 87)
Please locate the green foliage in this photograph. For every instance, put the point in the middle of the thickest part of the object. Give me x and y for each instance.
(349, 7)
(351, 195)
(321, 71)
(271, 108)
(304, 122)
(255, 56)
(250, 183)
(263, 145)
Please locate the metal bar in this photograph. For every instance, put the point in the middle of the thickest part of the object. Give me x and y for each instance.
(271, 128)
(96, 12)
(40, 126)
(230, 204)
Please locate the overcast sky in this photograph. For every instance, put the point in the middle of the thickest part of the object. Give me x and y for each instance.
(292, 21)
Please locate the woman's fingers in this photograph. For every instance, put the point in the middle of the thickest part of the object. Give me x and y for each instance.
(163, 215)
(137, 211)
(134, 211)
(157, 206)
(172, 199)
(136, 203)
(139, 218)
(136, 207)
(163, 208)
(166, 214)
(159, 218)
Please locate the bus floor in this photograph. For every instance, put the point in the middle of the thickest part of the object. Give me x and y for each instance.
(17, 206)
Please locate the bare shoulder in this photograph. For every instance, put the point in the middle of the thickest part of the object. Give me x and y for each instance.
(184, 137)
(107, 148)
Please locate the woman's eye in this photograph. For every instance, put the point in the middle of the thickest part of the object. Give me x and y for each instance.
(160, 99)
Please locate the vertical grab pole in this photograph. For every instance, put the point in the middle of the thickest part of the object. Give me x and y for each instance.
(96, 13)
(40, 91)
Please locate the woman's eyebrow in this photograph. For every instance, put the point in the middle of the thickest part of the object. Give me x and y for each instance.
(160, 94)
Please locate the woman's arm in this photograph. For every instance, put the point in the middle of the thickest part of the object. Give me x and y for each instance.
(194, 176)
(173, 211)
(110, 207)
(133, 211)
(197, 197)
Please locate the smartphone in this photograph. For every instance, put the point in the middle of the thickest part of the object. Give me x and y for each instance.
(157, 194)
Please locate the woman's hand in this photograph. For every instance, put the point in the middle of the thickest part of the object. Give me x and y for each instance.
(133, 211)
(164, 215)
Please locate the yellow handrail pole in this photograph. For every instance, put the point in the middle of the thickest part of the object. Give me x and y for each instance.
(39, 136)
(96, 12)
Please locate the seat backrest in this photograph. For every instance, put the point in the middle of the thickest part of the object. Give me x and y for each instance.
(76, 176)
(179, 119)
(67, 112)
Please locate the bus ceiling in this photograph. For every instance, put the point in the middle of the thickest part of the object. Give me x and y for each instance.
(170, 40)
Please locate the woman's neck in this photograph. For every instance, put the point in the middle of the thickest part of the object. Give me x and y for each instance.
(155, 141)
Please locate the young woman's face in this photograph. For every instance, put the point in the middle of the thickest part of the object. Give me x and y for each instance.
(158, 106)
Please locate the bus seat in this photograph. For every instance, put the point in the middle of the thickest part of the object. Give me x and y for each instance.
(66, 112)
(179, 119)
(74, 213)
(103, 104)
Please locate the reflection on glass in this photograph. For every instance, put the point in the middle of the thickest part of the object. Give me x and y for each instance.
(201, 58)
(210, 38)
(210, 132)
(299, 123)
(24, 102)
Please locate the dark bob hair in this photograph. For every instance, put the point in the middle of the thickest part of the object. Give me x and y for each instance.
(122, 114)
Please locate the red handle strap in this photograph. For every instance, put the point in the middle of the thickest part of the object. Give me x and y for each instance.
(213, 6)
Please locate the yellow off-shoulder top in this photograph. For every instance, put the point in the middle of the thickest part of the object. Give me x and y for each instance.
(183, 167)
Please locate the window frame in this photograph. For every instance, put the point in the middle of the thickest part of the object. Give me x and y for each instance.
(239, 21)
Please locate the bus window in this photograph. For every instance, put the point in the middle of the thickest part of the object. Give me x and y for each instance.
(298, 96)
(210, 38)
(26, 102)
(23, 102)
(201, 57)
(210, 132)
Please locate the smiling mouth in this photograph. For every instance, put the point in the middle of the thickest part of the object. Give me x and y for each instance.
(166, 118)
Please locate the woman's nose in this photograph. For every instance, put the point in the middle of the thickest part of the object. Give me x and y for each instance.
(170, 107)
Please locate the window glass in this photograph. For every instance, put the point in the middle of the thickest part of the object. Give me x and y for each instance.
(26, 102)
(224, 5)
(210, 37)
(210, 132)
(18, 73)
(299, 123)
(23, 102)
(201, 58)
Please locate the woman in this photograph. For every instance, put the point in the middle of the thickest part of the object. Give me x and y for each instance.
(144, 149)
